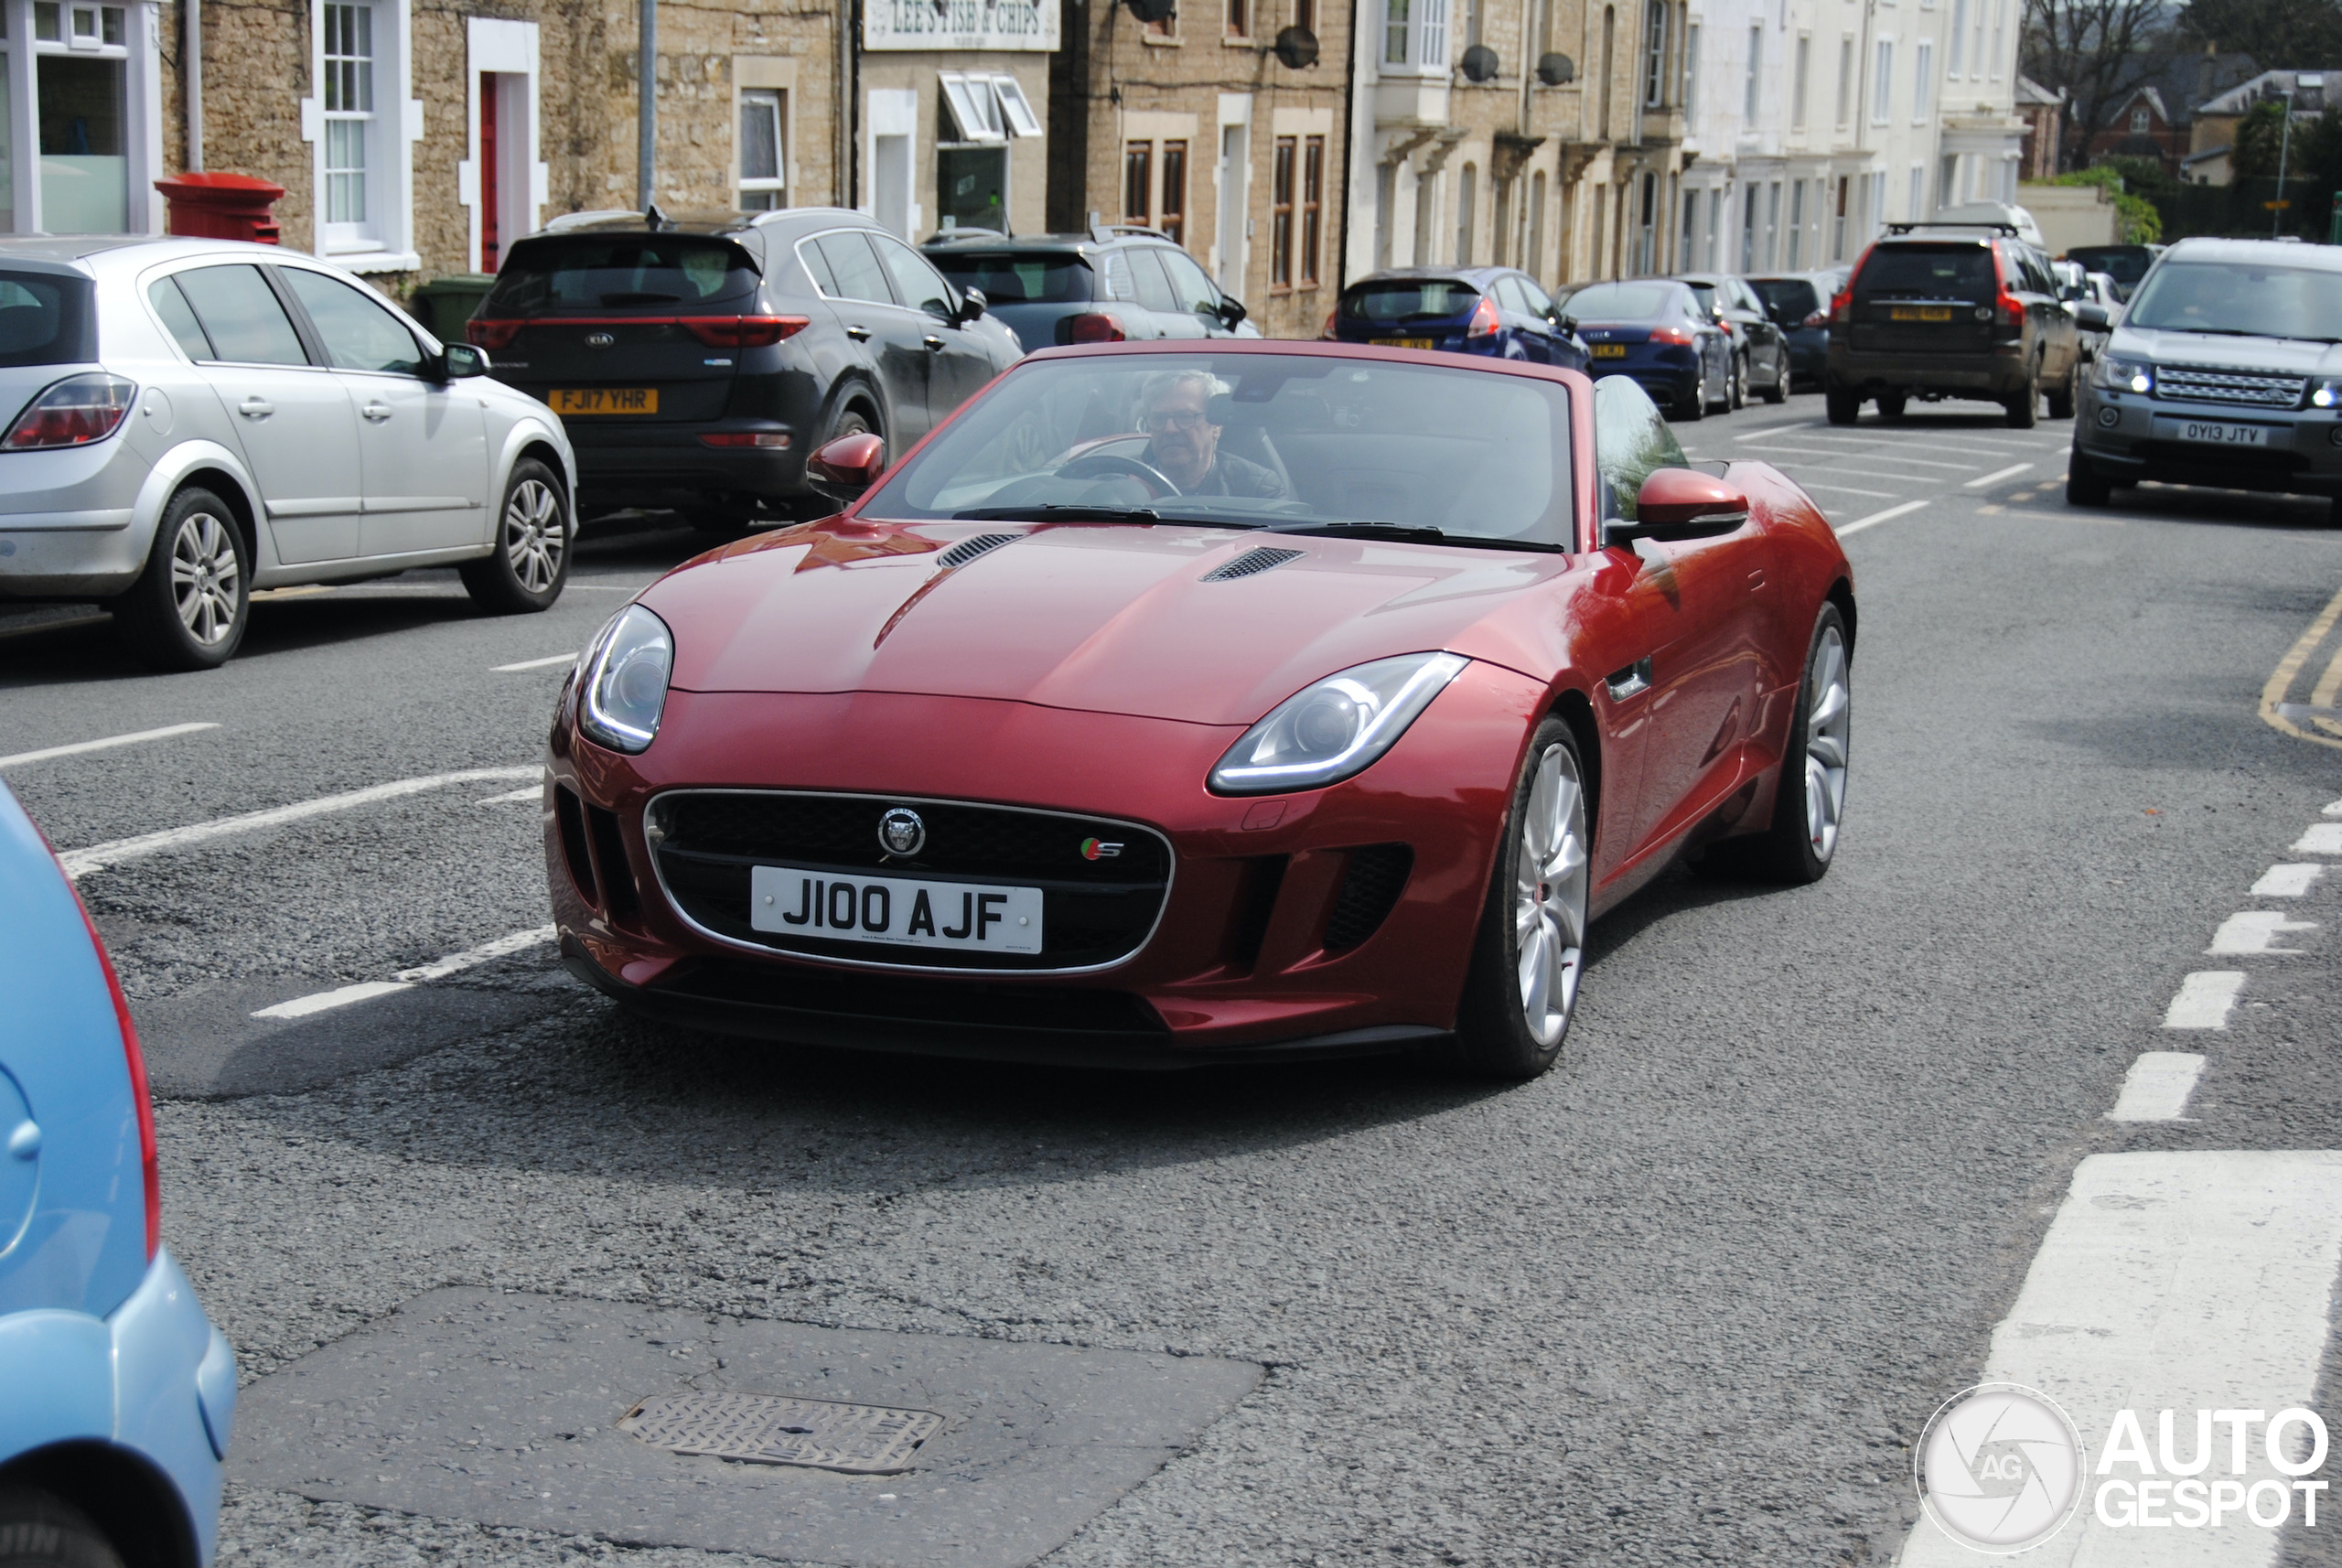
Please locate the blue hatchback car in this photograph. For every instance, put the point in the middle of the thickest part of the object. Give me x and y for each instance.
(1658, 331)
(1496, 311)
(115, 1391)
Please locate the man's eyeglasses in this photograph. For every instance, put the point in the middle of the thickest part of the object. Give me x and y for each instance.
(1174, 419)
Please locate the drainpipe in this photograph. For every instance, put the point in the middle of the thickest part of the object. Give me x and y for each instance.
(645, 146)
(1349, 147)
(191, 74)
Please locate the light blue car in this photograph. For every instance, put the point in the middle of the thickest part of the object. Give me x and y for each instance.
(115, 1391)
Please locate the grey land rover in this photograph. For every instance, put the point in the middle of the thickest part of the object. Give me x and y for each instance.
(2225, 370)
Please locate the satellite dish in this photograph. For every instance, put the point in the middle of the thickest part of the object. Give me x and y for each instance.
(1480, 63)
(1556, 71)
(1297, 48)
(1153, 11)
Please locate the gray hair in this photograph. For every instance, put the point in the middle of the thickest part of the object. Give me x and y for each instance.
(1163, 382)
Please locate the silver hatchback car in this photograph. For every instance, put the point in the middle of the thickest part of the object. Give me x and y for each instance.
(189, 420)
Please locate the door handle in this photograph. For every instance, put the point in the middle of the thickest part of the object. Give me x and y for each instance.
(933, 342)
(256, 408)
(376, 412)
(859, 334)
(1633, 680)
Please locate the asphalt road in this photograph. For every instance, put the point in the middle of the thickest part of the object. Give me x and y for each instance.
(1689, 1298)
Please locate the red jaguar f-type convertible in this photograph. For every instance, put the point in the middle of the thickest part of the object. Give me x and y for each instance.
(1173, 705)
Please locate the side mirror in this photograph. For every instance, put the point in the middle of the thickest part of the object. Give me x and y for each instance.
(844, 468)
(1679, 503)
(972, 305)
(459, 361)
(1232, 312)
(2090, 314)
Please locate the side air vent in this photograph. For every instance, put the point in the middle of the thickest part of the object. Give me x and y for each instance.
(1371, 883)
(967, 549)
(1251, 563)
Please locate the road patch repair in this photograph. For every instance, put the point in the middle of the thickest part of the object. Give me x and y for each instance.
(853, 1446)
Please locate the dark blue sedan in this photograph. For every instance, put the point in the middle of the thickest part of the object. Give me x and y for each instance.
(1495, 311)
(1657, 331)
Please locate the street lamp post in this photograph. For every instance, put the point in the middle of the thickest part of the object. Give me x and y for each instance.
(647, 111)
(2284, 146)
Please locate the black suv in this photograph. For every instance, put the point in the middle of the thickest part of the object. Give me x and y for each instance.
(1114, 282)
(1951, 310)
(695, 364)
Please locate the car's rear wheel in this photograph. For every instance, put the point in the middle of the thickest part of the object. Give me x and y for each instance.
(189, 607)
(1890, 405)
(2085, 486)
(1696, 405)
(1738, 395)
(1522, 990)
(2022, 406)
(41, 1531)
(1843, 407)
(1779, 391)
(1810, 803)
(529, 565)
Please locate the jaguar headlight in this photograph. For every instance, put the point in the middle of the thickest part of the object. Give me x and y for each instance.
(625, 684)
(2325, 391)
(2123, 375)
(1328, 731)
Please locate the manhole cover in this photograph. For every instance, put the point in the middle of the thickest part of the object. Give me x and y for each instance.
(769, 1429)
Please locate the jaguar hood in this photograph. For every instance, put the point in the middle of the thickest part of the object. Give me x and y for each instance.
(1172, 621)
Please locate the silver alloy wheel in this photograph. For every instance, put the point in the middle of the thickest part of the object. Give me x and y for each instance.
(534, 534)
(204, 573)
(1550, 894)
(1828, 726)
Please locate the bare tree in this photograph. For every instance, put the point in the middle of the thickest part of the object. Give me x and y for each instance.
(2100, 51)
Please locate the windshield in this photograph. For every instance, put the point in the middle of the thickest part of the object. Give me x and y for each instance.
(1624, 301)
(2241, 299)
(1788, 296)
(2124, 264)
(1290, 442)
(45, 319)
(1928, 272)
(1017, 277)
(1413, 299)
(596, 272)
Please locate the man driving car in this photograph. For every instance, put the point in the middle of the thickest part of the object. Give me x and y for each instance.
(1183, 444)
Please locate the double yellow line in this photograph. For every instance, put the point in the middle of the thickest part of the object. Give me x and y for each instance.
(2316, 718)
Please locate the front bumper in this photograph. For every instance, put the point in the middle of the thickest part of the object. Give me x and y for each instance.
(1239, 965)
(2130, 436)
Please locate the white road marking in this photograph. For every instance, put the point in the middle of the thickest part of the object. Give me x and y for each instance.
(1874, 518)
(2157, 1087)
(535, 663)
(2289, 881)
(1762, 431)
(2204, 1000)
(1915, 462)
(2332, 810)
(2320, 838)
(603, 588)
(79, 746)
(408, 979)
(2010, 472)
(325, 1001)
(2253, 931)
(2182, 1281)
(532, 794)
(1849, 490)
(97, 857)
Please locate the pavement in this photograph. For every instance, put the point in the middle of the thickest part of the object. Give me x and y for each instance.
(1814, 1162)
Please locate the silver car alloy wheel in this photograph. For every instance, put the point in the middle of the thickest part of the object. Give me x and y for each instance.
(1828, 726)
(204, 573)
(534, 534)
(1549, 899)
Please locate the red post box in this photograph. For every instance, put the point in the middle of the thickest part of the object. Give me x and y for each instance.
(208, 206)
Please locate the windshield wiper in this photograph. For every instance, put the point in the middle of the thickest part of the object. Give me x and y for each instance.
(1085, 514)
(1418, 533)
(2239, 332)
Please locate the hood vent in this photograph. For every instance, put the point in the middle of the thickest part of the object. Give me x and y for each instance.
(967, 549)
(1267, 557)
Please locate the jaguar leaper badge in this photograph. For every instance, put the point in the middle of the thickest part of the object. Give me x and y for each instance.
(901, 831)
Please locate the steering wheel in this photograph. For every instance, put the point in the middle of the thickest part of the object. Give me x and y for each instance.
(1104, 465)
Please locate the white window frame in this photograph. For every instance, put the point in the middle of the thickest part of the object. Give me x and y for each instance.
(2000, 20)
(142, 128)
(502, 48)
(1691, 66)
(775, 185)
(1881, 103)
(1956, 36)
(1923, 97)
(1802, 78)
(1421, 26)
(1656, 38)
(1751, 82)
(386, 242)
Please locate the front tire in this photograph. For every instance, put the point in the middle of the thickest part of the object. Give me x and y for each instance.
(40, 1530)
(189, 607)
(1520, 993)
(528, 567)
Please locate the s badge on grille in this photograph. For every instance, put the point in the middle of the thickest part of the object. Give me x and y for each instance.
(900, 832)
(600, 340)
(1091, 849)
